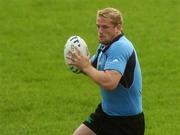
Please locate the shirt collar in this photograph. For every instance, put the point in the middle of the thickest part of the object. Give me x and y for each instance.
(114, 40)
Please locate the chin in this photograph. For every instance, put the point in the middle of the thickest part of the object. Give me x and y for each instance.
(106, 42)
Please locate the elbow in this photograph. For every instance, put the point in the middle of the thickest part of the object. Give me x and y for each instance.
(111, 81)
(111, 87)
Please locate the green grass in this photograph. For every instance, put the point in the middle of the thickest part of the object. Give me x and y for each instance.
(39, 95)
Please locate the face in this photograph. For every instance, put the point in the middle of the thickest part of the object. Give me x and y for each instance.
(106, 30)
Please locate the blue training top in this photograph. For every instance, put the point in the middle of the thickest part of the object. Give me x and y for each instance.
(126, 99)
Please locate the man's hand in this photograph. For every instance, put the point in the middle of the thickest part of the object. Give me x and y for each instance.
(108, 79)
(78, 60)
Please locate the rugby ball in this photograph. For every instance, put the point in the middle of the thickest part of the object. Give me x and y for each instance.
(72, 42)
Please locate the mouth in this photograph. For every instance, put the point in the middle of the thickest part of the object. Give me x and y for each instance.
(103, 40)
(101, 36)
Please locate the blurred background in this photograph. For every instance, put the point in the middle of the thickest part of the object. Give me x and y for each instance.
(39, 95)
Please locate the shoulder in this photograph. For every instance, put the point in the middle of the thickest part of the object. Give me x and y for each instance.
(121, 47)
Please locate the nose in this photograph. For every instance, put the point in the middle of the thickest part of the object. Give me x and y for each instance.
(100, 30)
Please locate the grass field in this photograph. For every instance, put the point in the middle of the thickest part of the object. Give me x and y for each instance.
(39, 96)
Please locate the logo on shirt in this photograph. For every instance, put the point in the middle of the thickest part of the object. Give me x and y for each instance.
(89, 120)
(115, 60)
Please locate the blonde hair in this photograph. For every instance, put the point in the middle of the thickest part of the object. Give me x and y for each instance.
(112, 13)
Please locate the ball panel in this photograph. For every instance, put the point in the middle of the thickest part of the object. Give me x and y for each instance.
(72, 42)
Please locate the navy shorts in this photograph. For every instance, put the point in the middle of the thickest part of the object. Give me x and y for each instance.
(103, 124)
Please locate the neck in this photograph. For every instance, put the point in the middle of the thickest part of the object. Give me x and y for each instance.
(114, 38)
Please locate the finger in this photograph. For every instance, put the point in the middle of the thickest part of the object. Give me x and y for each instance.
(68, 57)
(71, 62)
(70, 53)
(77, 51)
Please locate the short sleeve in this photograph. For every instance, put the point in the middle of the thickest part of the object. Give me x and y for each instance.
(117, 56)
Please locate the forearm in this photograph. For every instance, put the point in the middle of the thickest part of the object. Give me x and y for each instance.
(102, 78)
(107, 79)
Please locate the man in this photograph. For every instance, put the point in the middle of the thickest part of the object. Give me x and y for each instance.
(115, 68)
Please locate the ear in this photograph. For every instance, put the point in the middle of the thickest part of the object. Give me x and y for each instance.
(119, 27)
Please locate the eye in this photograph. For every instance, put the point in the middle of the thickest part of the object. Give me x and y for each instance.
(102, 27)
(105, 27)
(97, 26)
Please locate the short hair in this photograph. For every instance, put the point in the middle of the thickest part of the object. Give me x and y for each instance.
(112, 13)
